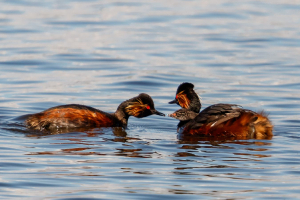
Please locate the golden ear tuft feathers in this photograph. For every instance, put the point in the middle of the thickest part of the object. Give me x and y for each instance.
(136, 108)
(183, 101)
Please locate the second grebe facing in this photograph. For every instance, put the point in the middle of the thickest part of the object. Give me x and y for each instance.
(218, 120)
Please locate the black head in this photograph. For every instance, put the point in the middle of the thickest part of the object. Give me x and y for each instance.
(141, 106)
(185, 86)
(187, 98)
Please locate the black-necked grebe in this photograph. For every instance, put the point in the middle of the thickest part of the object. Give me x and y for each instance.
(74, 115)
(219, 120)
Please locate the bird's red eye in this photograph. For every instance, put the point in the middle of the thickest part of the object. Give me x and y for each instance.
(148, 107)
(176, 96)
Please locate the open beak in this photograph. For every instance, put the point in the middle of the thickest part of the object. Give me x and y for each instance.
(174, 101)
(155, 112)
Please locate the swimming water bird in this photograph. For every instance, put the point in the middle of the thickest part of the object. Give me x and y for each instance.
(75, 116)
(218, 120)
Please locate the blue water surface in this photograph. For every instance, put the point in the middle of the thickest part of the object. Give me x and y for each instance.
(100, 53)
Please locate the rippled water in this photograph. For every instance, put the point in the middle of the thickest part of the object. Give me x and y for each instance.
(99, 53)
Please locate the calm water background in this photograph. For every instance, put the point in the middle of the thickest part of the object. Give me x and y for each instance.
(99, 53)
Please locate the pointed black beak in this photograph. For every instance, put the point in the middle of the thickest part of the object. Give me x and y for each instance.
(174, 101)
(155, 112)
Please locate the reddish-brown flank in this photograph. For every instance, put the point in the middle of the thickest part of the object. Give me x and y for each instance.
(68, 117)
(247, 125)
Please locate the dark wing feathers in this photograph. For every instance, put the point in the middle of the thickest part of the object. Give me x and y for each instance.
(216, 114)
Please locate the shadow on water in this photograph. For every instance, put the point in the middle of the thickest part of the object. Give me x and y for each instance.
(90, 141)
(106, 155)
(229, 149)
